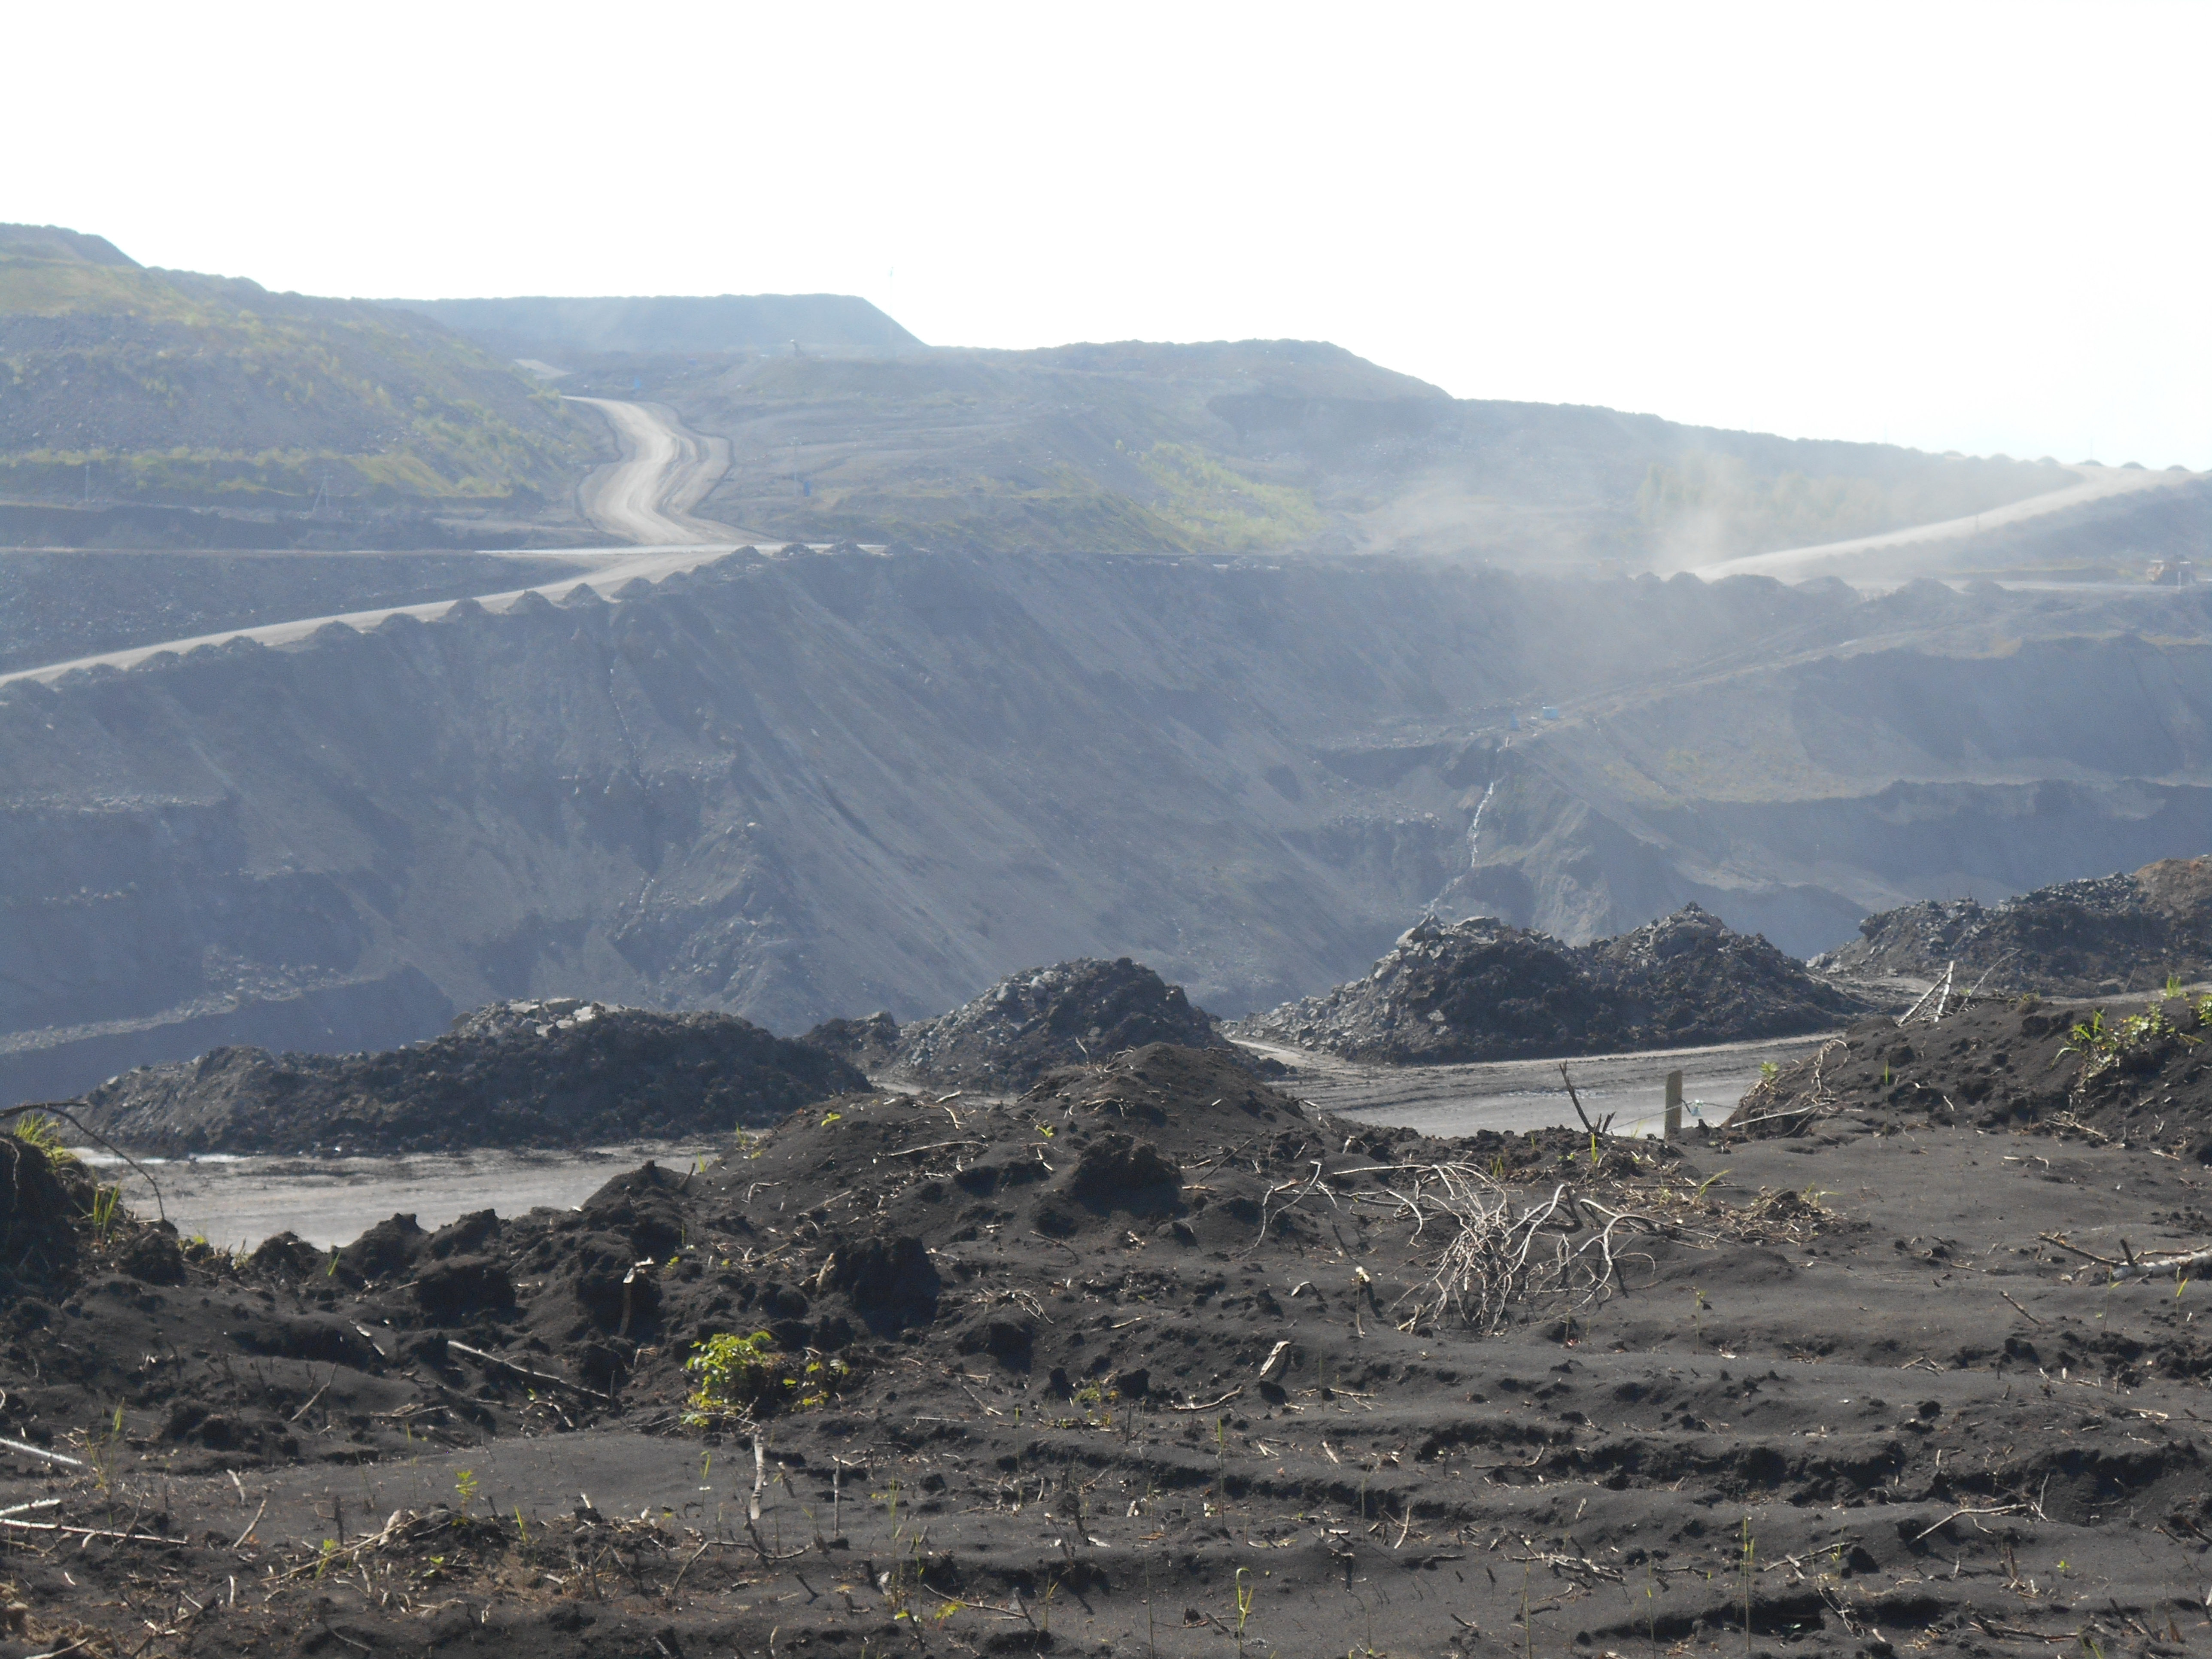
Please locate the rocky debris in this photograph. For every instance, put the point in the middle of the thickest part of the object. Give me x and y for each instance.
(553, 1073)
(2104, 936)
(1481, 989)
(2132, 1073)
(1028, 1024)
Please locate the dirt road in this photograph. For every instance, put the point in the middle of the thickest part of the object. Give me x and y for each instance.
(1527, 1094)
(646, 497)
(666, 470)
(1791, 564)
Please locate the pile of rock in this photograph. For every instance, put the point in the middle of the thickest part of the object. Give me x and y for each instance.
(1072, 1013)
(1482, 989)
(2106, 935)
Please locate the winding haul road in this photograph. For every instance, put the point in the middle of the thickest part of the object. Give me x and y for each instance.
(646, 497)
(2097, 483)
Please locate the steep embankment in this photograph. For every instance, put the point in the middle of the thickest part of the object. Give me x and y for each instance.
(797, 786)
(133, 385)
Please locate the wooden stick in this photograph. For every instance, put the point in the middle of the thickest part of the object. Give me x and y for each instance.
(87, 1532)
(525, 1370)
(1209, 1405)
(2091, 1255)
(37, 1451)
(1576, 1098)
(250, 1526)
(2023, 1312)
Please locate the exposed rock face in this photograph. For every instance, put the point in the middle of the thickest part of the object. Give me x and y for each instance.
(1028, 1024)
(2112, 933)
(794, 787)
(556, 1073)
(1480, 989)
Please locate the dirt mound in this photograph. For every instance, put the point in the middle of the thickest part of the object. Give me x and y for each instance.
(2128, 1074)
(1480, 989)
(1027, 1025)
(545, 1073)
(46, 1198)
(2108, 935)
(1146, 1356)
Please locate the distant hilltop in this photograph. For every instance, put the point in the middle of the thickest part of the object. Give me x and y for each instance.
(719, 323)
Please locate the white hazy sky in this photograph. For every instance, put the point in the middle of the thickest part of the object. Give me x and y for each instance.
(1957, 226)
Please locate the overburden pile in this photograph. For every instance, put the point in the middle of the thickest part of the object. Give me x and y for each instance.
(2108, 934)
(1480, 989)
(550, 1073)
(1030, 1023)
(2102, 1071)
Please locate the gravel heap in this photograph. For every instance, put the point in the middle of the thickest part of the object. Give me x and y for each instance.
(550, 1073)
(1025, 1025)
(2104, 936)
(1480, 989)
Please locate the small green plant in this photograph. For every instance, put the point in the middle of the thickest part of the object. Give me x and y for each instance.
(1749, 1550)
(521, 1526)
(104, 1449)
(1769, 1070)
(2172, 987)
(464, 1484)
(37, 1129)
(1244, 1593)
(328, 1554)
(106, 1210)
(734, 1373)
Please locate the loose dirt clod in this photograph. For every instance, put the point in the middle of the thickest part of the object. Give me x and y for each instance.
(1480, 989)
(557, 1073)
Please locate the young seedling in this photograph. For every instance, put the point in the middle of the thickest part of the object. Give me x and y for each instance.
(1244, 1593)
(1748, 1556)
(464, 1484)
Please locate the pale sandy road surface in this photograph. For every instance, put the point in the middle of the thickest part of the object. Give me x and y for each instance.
(2097, 483)
(1528, 1093)
(665, 470)
(237, 1202)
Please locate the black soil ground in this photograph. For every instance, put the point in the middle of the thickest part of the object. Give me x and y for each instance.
(1028, 1024)
(2127, 1071)
(1480, 989)
(545, 1073)
(1147, 1361)
(2108, 934)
